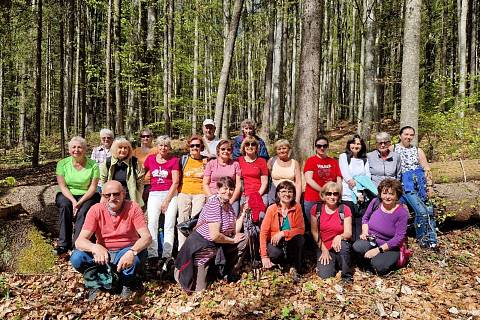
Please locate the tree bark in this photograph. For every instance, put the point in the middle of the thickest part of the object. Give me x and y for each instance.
(307, 106)
(195, 74)
(227, 60)
(462, 6)
(69, 66)
(108, 63)
(61, 99)
(38, 87)
(119, 123)
(410, 65)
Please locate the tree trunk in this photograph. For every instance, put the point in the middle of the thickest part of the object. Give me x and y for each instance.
(277, 69)
(108, 63)
(227, 60)
(307, 106)
(61, 98)
(265, 130)
(119, 123)
(151, 20)
(69, 66)
(410, 65)
(370, 72)
(38, 88)
(462, 6)
(195, 75)
(352, 82)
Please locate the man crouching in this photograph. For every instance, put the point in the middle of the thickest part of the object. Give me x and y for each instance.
(121, 239)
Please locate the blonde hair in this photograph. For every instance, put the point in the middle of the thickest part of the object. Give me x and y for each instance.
(121, 141)
(281, 143)
(332, 186)
(250, 140)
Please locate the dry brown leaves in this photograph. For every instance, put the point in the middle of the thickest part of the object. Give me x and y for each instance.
(435, 285)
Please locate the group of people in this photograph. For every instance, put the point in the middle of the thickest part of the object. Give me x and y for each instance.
(357, 202)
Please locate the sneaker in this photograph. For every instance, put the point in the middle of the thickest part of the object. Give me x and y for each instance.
(92, 294)
(294, 275)
(126, 292)
(434, 247)
(347, 279)
(60, 250)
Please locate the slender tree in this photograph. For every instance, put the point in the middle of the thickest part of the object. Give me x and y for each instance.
(38, 86)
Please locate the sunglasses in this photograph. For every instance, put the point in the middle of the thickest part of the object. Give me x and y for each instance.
(329, 193)
(286, 192)
(108, 195)
(324, 146)
(195, 145)
(251, 144)
(145, 136)
(384, 142)
(226, 149)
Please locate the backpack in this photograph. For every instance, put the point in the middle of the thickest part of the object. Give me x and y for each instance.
(349, 159)
(108, 163)
(318, 213)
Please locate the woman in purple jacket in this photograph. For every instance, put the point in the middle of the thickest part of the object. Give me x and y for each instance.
(384, 227)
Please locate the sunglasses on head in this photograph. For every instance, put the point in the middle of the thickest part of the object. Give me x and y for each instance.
(195, 145)
(226, 149)
(145, 136)
(251, 144)
(324, 146)
(329, 193)
(108, 195)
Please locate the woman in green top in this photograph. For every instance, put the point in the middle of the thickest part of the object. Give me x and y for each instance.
(77, 178)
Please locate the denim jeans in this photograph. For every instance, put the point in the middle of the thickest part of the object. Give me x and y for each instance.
(425, 228)
(81, 260)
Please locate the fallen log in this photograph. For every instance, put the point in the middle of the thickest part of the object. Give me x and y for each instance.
(456, 171)
(458, 201)
(11, 211)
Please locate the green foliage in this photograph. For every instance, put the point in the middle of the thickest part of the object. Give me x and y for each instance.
(5, 254)
(8, 182)
(289, 313)
(38, 257)
(4, 289)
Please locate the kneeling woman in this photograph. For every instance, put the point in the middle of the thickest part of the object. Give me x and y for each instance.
(281, 234)
(216, 238)
(384, 228)
(331, 226)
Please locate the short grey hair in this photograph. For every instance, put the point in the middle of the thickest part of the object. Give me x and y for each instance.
(247, 122)
(106, 132)
(383, 136)
(146, 130)
(164, 140)
(79, 140)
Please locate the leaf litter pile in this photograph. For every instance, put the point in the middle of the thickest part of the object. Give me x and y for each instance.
(434, 285)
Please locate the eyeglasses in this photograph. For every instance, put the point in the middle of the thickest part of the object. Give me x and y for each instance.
(226, 149)
(329, 194)
(286, 191)
(324, 146)
(195, 145)
(251, 144)
(108, 195)
(384, 142)
(143, 136)
(106, 138)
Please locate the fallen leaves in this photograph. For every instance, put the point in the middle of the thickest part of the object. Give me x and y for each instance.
(427, 289)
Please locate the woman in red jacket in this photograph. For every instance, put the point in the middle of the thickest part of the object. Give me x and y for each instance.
(281, 234)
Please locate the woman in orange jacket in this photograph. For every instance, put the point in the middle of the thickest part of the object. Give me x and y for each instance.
(281, 234)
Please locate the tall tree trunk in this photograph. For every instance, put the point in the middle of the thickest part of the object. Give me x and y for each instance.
(195, 74)
(370, 72)
(265, 130)
(277, 69)
(307, 106)
(352, 82)
(69, 66)
(462, 6)
(410, 65)
(227, 60)
(151, 20)
(38, 88)
(117, 14)
(61, 98)
(108, 64)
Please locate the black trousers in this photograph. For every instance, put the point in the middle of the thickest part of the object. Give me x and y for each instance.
(293, 251)
(340, 261)
(66, 219)
(382, 263)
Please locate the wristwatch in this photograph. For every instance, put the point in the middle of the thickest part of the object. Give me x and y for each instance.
(380, 249)
(134, 251)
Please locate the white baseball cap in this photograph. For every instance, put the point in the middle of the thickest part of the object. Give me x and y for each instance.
(208, 121)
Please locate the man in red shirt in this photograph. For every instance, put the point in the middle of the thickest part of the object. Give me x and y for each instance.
(122, 237)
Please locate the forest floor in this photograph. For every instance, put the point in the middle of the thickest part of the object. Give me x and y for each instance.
(435, 285)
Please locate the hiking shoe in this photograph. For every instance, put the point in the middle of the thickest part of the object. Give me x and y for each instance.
(92, 294)
(347, 279)
(60, 250)
(126, 292)
(294, 275)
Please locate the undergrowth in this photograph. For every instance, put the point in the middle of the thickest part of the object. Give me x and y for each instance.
(39, 257)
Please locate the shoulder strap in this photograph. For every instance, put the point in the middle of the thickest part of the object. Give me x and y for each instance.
(349, 158)
(134, 167)
(318, 213)
(108, 162)
(341, 212)
(183, 161)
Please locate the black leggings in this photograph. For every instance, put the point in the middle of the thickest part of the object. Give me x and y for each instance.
(294, 248)
(382, 263)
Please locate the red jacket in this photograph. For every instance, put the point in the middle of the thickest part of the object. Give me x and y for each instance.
(270, 225)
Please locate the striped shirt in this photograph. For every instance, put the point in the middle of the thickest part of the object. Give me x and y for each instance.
(213, 212)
